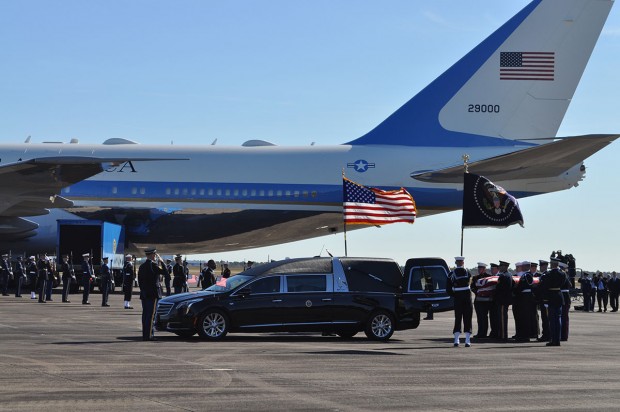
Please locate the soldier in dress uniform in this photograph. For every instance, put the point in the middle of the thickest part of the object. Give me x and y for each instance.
(586, 287)
(458, 287)
(31, 269)
(614, 291)
(503, 298)
(106, 280)
(88, 275)
(41, 277)
(551, 286)
(482, 301)
(150, 290)
(67, 277)
(168, 276)
(128, 278)
(20, 275)
(565, 289)
(544, 319)
(179, 276)
(493, 312)
(534, 320)
(5, 274)
(524, 301)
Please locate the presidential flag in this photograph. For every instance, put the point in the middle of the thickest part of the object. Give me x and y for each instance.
(367, 205)
(527, 66)
(486, 204)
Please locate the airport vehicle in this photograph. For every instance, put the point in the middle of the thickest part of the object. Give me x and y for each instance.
(100, 239)
(501, 104)
(340, 295)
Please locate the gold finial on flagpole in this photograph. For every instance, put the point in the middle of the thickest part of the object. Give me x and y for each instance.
(465, 164)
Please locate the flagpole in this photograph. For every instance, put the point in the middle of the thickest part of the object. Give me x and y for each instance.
(466, 167)
(344, 219)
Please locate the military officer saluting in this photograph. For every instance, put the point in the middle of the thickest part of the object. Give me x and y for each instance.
(458, 287)
(150, 290)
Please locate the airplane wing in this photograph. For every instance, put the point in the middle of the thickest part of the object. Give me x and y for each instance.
(543, 161)
(31, 187)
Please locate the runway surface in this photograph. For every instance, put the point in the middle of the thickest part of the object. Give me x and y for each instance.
(70, 357)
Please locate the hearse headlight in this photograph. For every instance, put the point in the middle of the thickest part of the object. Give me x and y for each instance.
(184, 307)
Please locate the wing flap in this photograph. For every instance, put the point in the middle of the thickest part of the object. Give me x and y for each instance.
(543, 161)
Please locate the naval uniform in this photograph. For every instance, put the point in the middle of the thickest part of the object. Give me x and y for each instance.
(150, 292)
(128, 279)
(458, 286)
(167, 278)
(67, 277)
(482, 305)
(524, 307)
(41, 279)
(87, 276)
(20, 274)
(565, 289)
(32, 278)
(5, 274)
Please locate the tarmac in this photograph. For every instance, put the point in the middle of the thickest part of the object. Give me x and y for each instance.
(71, 357)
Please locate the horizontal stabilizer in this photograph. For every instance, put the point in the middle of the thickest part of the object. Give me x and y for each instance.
(544, 161)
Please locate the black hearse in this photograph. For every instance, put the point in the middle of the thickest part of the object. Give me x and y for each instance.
(338, 295)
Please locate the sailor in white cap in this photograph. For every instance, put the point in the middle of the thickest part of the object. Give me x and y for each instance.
(128, 279)
(458, 287)
(482, 302)
(31, 270)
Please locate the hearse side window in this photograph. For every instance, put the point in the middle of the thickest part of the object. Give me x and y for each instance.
(269, 284)
(306, 283)
(428, 279)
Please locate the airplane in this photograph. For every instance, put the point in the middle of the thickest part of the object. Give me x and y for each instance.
(501, 104)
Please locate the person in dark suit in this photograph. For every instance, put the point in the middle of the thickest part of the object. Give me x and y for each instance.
(586, 288)
(551, 286)
(614, 291)
(150, 290)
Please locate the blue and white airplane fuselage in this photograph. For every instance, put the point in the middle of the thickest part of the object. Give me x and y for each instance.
(501, 105)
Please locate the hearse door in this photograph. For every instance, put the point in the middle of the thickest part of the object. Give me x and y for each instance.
(259, 305)
(307, 300)
(424, 287)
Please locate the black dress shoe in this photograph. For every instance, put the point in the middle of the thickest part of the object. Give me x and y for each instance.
(553, 344)
(85, 303)
(18, 296)
(105, 304)
(66, 301)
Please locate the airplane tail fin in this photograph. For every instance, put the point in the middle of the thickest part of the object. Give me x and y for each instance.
(515, 85)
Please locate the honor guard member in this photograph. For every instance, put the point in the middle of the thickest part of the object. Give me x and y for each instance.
(31, 269)
(534, 321)
(565, 289)
(5, 274)
(67, 277)
(150, 290)
(128, 278)
(614, 291)
(551, 286)
(88, 276)
(525, 303)
(544, 319)
(106, 280)
(168, 276)
(493, 312)
(41, 278)
(458, 287)
(20, 275)
(482, 301)
(586, 287)
(503, 298)
(178, 271)
(51, 278)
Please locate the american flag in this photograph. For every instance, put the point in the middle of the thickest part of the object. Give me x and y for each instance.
(367, 205)
(527, 65)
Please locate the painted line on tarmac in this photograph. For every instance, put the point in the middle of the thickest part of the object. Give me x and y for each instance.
(2, 325)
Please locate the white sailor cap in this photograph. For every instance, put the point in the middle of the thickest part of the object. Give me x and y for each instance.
(518, 264)
(459, 258)
(525, 263)
(482, 265)
(128, 256)
(5, 255)
(562, 265)
(31, 258)
(86, 254)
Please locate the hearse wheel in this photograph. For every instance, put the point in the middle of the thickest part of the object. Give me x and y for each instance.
(380, 326)
(213, 325)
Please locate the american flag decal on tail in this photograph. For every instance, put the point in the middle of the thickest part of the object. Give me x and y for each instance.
(527, 66)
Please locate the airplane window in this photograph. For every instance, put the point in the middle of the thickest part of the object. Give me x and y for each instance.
(288, 192)
(314, 194)
(168, 191)
(261, 193)
(236, 192)
(253, 193)
(296, 193)
(305, 193)
(227, 192)
(279, 193)
(115, 190)
(244, 192)
(219, 192)
(210, 192)
(134, 190)
(270, 193)
(142, 191)
(202, 192)
(176, 191)
(185, 191)
(193, 192)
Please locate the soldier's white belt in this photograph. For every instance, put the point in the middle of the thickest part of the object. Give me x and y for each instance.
(526, 290)
(461, 289)
(565, 290)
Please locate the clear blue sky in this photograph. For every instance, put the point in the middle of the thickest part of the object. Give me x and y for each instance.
(294, 73)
